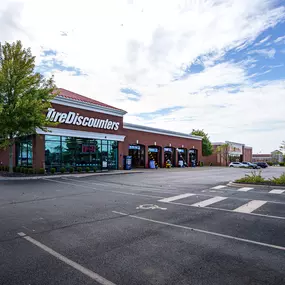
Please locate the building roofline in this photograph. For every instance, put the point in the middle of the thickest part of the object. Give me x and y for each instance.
(87, 106)
(141, 128)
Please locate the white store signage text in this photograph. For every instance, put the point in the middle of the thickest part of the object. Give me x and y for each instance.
(72, 118)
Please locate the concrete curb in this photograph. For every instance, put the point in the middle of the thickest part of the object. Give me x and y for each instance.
(234, 184)
(68, 175)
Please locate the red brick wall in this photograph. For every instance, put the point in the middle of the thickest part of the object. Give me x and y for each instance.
(247, 155)
(38, 151)
(215, 158)
(4, 157)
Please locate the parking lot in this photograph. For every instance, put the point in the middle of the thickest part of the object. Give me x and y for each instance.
(175, 226)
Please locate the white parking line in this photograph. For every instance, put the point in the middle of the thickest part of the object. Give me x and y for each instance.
(101, 280)
(229, 211)
(203, 231)
(177, 197)
(250, 206)
(219, 187)
(210, 201)
(276, 191)
(244, 189)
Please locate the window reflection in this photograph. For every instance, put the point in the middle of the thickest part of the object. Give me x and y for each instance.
(24, 152)
(80, 152)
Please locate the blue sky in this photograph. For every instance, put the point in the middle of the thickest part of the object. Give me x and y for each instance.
(217, 65)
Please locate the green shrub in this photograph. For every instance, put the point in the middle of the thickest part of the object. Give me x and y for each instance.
(6, 168)
(254, 177)
(18, 169)
(282, 163)
(94, 169)
(71, 170)
(31, 171)
(41, 171)
(52, 170)
(1, 167)
(270, 163)
(14, 168)
(62, 170)
(87, 169)
(26, 171)
(22, 169)
(278, 180)
(79, 169)
(201, 163)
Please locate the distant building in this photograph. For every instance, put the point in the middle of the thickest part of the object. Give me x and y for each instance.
(275, 156)
(236, 152)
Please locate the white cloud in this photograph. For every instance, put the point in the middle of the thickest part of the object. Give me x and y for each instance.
(280, 39)
(263, 41)
(270, 53)
(144, 44)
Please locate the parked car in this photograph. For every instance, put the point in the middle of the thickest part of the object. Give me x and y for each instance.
(237, 164)
(251, 165)
(262, 164)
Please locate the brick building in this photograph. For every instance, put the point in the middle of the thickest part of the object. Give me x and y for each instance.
(234, 153)
(91, 133)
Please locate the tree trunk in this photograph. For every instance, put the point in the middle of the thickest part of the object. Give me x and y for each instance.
(11, 144)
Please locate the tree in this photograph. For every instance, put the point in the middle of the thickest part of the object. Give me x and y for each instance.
(207, 148)
(282, 147)
(24, 96)
(223, 151)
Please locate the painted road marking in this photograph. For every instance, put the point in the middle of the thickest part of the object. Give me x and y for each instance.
(177, 197)
(244, 189)
(210, 201)
(229, 211)
(276, 191)
(203, 231)
(85, 271)
(250, 206)
(219, 187)
(149, 207)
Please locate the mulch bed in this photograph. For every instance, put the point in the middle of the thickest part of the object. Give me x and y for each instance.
(17, 174)
(262, 184)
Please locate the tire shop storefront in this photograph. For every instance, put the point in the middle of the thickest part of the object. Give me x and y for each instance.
(92, 134)
(147, 144)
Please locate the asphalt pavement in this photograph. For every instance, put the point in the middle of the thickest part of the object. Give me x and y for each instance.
(176, 226)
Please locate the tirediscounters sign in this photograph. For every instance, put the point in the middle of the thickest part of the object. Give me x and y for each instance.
(72, 118)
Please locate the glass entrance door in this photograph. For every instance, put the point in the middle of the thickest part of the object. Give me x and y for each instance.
(169, 155)
(193, 157)
(137, 152)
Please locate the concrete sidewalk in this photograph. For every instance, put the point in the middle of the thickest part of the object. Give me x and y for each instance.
(77, 175)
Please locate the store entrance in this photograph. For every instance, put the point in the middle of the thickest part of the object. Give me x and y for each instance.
(154, 153)
(169, 156)
(137, 152)
(193, 157)
(182, 157)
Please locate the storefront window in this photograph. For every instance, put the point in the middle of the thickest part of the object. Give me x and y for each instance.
(24, 152)
(80, 152)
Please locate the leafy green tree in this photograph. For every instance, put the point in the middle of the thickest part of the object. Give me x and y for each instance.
(223, 151)
(25, 96)
(207, 148)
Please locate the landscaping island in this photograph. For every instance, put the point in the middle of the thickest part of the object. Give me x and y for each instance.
(256, 178)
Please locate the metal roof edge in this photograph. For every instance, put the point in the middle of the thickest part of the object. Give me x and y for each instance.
(85, 105)
(159, 131)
